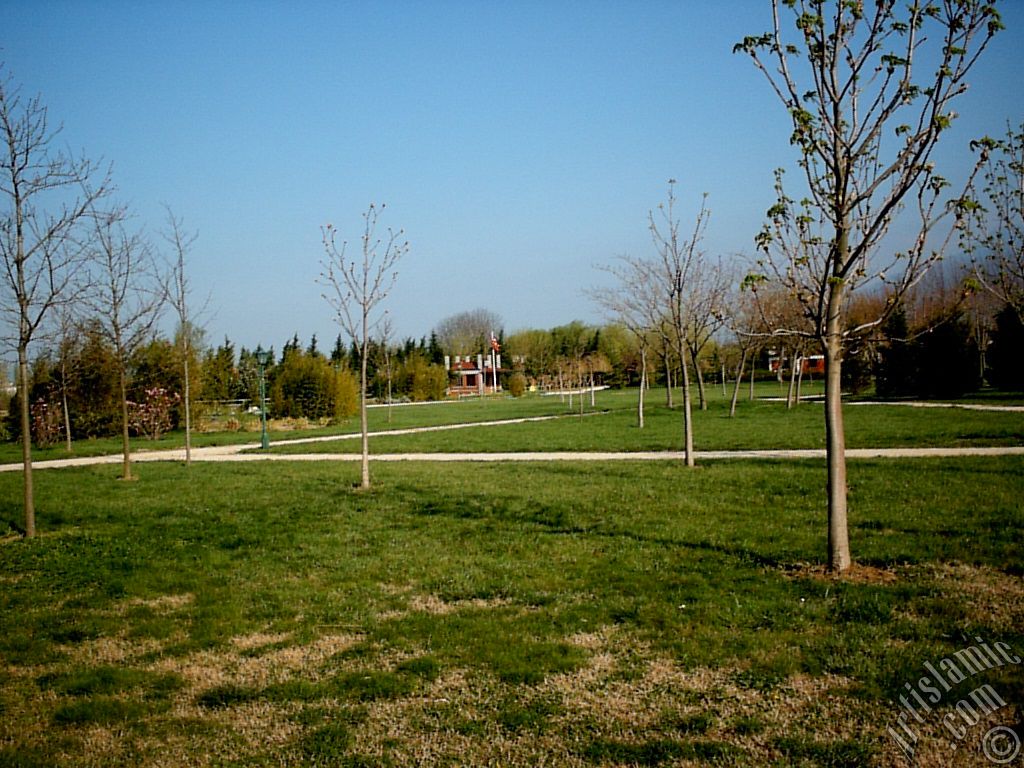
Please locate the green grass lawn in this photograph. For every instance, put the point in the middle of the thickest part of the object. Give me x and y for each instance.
(477, 614)
(757, 425)
(380, 418)
(611, 426)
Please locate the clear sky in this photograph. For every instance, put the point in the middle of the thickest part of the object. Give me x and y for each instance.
(519, 144)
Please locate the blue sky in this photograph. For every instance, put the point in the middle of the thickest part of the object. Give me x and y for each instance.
(518, 144)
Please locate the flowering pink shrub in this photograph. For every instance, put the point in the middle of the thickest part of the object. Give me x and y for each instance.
(45, 423)
(153, 417)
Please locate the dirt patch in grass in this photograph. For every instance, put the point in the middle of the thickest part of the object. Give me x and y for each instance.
(165, 603)
(436, 606)
(855, 574)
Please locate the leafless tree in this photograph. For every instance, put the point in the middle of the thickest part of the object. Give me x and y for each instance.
(385, 337)
(676, 265)
(179, 294)
(633, 302)
(704, 308)
(467, 333)
(67, 328)
(354, 288)
(743, 320)
(126, 300)
(47, 196)
(873, 71)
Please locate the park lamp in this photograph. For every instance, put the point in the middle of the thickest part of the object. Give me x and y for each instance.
(263, 360)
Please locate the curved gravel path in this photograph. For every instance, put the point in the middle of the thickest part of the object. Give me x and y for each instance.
(237, 453)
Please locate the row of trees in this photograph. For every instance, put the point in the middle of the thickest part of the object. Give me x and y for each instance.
(936, 345)
(869, 90)
(79, 379)
(70, 257)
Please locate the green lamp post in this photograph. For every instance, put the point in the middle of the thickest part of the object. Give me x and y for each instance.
(263, 360)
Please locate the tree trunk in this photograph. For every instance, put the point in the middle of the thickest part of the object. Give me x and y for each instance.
(687, 410)
(389, 389)
(792, 382)
(668, 381)
(643, 386)
(188, 408)
(26, 443)
(126, 472)
(363, 423)
(799, 382)
(64, 405)
(753, 368)
(702, 395)
(739, 379)
(839, 558)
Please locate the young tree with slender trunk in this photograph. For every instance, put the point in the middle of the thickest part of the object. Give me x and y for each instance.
(868, 105)
(47, 196)
(744, 322)
(676, 266)
(384, 340)
(634, 304)
(181, 243)
(127, 299)
(995, 236)
(354, 289)
(705, 310)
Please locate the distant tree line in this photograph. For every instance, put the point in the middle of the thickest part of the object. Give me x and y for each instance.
(77, 379)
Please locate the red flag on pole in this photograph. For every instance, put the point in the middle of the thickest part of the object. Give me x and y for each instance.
(494, 343)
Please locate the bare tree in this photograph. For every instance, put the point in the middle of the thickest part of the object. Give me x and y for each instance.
(67, 328)
(385, 336)
(996, 232)
(354, 288)
(47, 198)
(744, 322)
(467, 333)
(858, 87)
(127, 298)
(179, 293)
(705, 312)
(677, 264)
(634, 304)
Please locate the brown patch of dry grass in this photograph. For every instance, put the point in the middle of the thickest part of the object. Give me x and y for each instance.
(855, 574)
(165, 603)
(991, 597)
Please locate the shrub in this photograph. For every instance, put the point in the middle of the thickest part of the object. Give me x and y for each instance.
(516, 384)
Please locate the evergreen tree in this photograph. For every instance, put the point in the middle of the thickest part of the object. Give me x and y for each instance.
(946, 359)
(894, 369)
(1006, 354)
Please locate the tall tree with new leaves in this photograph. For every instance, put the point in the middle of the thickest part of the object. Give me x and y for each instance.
(996, 233)
(47, 196)
(354, 289)
(869, 88)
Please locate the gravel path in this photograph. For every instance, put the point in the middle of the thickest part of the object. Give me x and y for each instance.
(235, 453)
